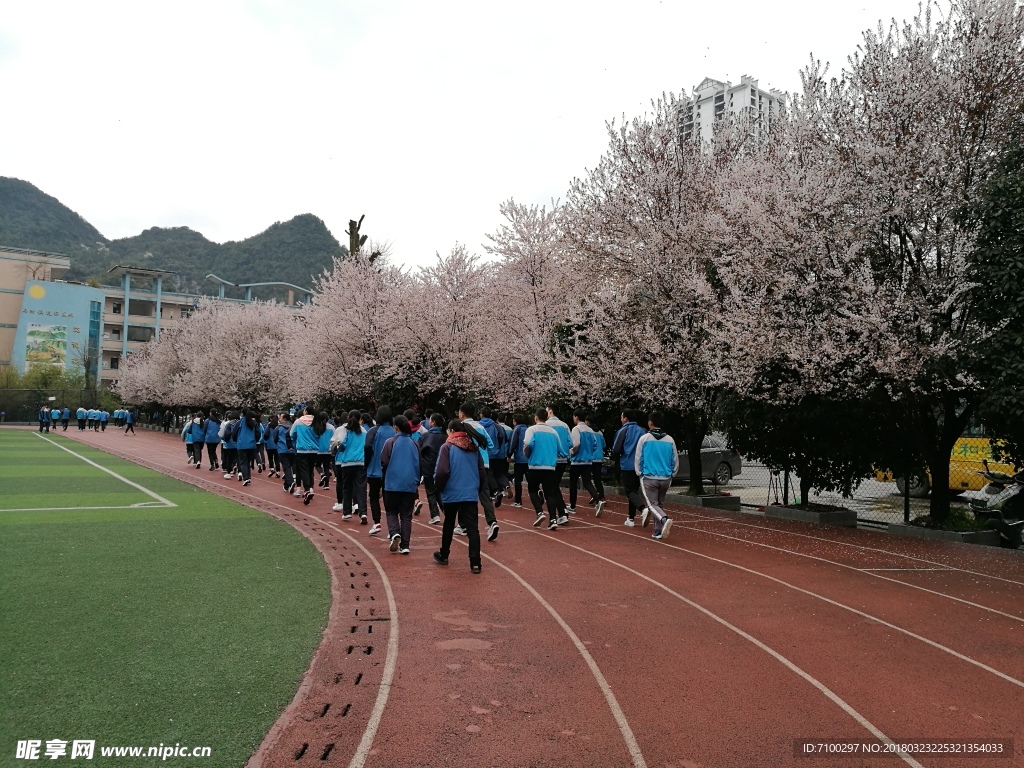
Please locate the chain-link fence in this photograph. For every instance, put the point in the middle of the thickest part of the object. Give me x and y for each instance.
(21, 405)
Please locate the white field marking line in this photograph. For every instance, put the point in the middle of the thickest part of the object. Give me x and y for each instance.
(866, 572)
(390, 663)
(609, 696)
(830, 601)
(911, 570)
(835, 698)
(847, 544)
(141, 505)
(124, 480)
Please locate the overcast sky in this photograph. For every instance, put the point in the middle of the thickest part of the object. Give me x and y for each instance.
(424, 116)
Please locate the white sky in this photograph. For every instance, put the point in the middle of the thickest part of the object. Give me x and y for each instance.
(228, 116)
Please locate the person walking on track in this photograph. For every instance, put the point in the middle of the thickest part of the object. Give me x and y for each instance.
(379, 434)
(400, 468)
(459, 477)
(624, 450)
(657, 462)
(542, 447)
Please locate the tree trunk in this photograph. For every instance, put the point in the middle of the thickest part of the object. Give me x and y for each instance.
(696, 428)
(805, 489)
(938, 455)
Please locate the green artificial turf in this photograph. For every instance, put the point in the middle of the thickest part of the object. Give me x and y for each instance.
(191, 624)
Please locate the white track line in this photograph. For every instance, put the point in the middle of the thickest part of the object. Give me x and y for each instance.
(770, 651)
(124, 480)
(709, 518)
(602, 682)
(677, 525)
(828, 600)
(390, 663)
(142, 505)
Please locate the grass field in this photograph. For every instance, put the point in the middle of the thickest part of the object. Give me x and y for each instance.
(189, 620)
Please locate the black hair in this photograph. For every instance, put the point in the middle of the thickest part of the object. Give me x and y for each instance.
(629, 413)
(250, 419)
(320, 423)
(468, 409)
(485, 412)
(456, 425)
(437, 419)
(541, 414)
(402, 425)
(353, 422)
(272, 420)
(366, 417)
(656, 418)
(384, 415)
(410, 414)
(580, 414)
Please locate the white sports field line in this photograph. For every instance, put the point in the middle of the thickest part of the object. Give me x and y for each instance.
(160, 501)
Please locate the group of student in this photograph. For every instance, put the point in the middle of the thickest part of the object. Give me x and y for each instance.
(462, 463)
(91, 419)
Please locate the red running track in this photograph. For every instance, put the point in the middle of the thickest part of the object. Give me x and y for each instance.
(596, 645)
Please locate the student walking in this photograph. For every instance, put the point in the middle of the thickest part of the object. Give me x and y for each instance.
(244, 435)
(186, 436)
(228, 446)
(497, 465)
(104, 418)
(129, 422)
(400, 463)
(520, 464)
(348, 444)
(270, 441)
(81, 414)
(624, 450)
(286, 452)
(65, 417)
(211, 438)
(581, 462)
(306, 433)
(467, 415)
(598, 466)
(459, 477)
(324, 460)
(543, 448)
(657, 462)
(44, 419)
(379, 434)
(565, 438)
(198, 433)
(430, 447)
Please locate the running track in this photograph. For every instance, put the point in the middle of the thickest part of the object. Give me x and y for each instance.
(595, 645)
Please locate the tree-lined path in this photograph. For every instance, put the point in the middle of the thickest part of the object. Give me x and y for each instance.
(595, 645)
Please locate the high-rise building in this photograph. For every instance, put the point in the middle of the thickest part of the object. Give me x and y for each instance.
(713, 99)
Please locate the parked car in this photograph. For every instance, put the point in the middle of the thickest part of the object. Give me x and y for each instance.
(719, 463)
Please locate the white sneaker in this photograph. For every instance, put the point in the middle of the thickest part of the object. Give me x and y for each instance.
(435, 520)
(643, 517)
(374, 529)
(629, 523)
(563, 520)
(571, 510)
(492, 531)
(417, 507)
(459, 531)
(403, 551)
(598, 509)
(338, 507)
(227, 475)
(517, 504)
(396, 541)
(297, 493)
(664, 528)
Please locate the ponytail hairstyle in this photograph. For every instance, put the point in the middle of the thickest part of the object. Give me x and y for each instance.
(402, 425)
(272, 421)
(455, 425)
(250, 418)
(319, 422)
(353, 422)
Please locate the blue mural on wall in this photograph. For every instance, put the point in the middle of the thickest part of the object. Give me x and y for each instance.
(60, 325)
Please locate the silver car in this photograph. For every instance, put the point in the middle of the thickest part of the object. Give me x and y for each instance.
(719, 463)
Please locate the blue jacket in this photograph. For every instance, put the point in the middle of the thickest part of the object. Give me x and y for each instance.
(624, 448)
(304, 439)
(81, 413)
(430, 447)
(375, 440)
(496, 434)
(516, 446)
(400, 463)
(350, 447)
(584, 442)
(65, 414)
(283, 439)
(543, 447)
(212, 428)
(324, 441)
(564, 436)
(601, 445)
(656, 456)
(270, 437)
(485, 451)
(244, 436)
(197, 430)
(129, 418)
(459, 475)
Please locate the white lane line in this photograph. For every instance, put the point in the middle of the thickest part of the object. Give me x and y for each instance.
(602, 682)
(867, 572)
(143, 505)
(390, 663)
(844, 544)
(907, 632)
(835, 698)
(906, 570)
(124, 480)
(851, 568)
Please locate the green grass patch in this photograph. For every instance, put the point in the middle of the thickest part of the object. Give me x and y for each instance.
(191, 624)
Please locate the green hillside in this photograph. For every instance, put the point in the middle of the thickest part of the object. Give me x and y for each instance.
(293, 251)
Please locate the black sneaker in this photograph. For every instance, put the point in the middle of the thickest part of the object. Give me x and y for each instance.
(492, 531)
(307, 497)
(418, 506)
(553, 525)
(539, 520)
(475, 568)
(440, 560)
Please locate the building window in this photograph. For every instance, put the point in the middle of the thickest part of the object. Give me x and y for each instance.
(115, 308)
(140, 333)
(114, 362)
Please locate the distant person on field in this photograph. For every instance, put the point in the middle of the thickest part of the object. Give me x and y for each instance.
(624, 449)
(657, 462)
(65, 417)
(129, 422)
(44, 419)
(81, 414)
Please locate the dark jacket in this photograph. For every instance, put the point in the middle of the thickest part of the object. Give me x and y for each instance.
(430, 445)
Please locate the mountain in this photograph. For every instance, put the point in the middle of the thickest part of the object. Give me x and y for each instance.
(293, 251)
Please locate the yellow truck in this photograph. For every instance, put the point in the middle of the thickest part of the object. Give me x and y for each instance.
(965, 462)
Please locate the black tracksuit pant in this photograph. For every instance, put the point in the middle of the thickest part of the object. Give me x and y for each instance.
(467, 515)
(578, 472)
(543, 479)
